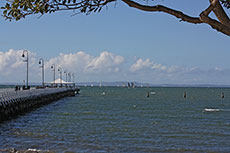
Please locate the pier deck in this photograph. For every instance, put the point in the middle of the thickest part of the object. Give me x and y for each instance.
(14, 103)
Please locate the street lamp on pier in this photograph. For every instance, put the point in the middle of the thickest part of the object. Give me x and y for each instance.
(27, 65)
(69, 74)
(66, 75)
(53, 67)
(73, 79)
(60, 70)
(73, 76)
(41, 62)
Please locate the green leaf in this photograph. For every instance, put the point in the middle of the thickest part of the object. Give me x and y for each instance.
(5, 12)
(7, 6)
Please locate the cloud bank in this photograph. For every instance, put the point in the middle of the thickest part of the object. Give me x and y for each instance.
(107, 67)
(82, 62)
(11, 62)
(141, 64)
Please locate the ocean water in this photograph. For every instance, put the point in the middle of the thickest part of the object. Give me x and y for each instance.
(115, 119)
(6, 88)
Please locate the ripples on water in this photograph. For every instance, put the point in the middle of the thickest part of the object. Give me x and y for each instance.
(111, 119)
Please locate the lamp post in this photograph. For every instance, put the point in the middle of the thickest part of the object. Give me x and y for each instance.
(53, 67)
(27, 66)
(69, 74)
(60, 70)
(66, 75)
(41, 62)
(73, 77)
(73, 80)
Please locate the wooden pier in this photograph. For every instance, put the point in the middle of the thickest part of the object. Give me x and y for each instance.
(14, 103)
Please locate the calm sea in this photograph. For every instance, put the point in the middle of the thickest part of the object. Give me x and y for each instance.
(113, 119)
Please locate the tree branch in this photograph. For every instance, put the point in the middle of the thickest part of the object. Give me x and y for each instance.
(211, 7)
(215, 24)
(219, 26)
(160, 8)
(220, 13)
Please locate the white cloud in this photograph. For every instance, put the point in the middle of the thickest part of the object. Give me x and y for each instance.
(85, 63)
(106, 62)
(106, 67)
(140, 64)
(146, 65)
(147, 70)
(11, 62)
(70, 62)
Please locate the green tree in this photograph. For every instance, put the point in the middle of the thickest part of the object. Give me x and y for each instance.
(17, 9)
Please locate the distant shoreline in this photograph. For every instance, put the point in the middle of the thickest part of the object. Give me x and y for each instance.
(124, 84)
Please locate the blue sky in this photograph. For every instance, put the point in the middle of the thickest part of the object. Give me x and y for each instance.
(128, 44)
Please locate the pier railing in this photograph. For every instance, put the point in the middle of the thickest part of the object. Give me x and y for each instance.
(12, 95)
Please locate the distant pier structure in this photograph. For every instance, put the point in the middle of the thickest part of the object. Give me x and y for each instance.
(16, 102)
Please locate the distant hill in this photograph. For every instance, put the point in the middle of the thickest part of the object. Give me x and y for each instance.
(139, 84)
(125, 83)
(118, 83)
